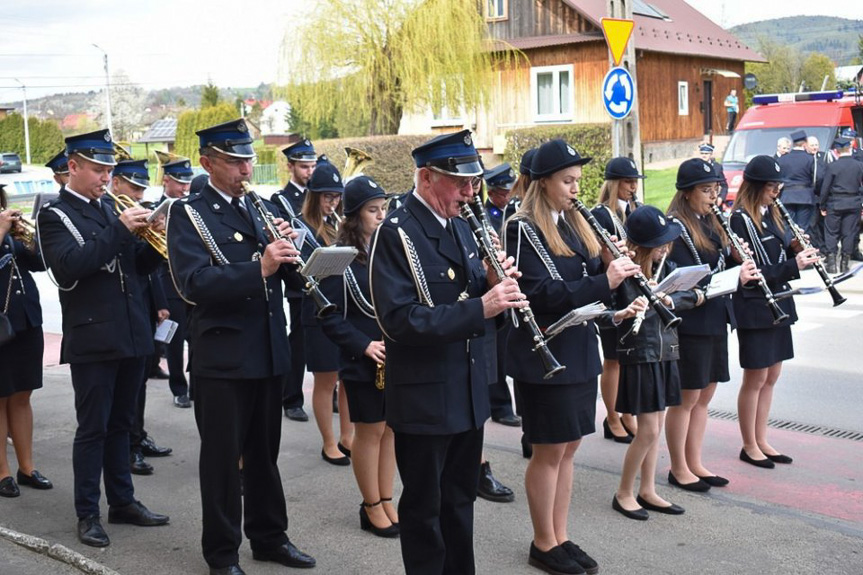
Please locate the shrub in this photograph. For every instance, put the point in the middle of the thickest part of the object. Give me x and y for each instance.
(45, 138)
(190, 121)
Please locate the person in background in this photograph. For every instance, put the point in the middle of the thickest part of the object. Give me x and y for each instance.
(840, 205)
(783, 146)
(801, 182)
(59, 165)
(705, 152)
(732, 108)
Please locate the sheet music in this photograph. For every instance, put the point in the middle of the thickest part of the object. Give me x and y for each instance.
(329, 261)
(165, 331)
(722, 283)
(577, 316)
(682, 279)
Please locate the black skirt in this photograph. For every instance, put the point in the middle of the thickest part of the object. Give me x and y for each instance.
(647, 387)
(365, 401)
(703, 360)
(761, 348)
(557, 413)
(608, 337)
(21, 362)
(322, 354)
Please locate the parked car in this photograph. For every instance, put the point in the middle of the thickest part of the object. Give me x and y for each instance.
(10, 162)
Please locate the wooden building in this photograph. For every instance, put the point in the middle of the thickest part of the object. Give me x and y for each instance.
(685, 64)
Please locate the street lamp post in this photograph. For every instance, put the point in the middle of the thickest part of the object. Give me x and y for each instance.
(26, 127)
(107, 88)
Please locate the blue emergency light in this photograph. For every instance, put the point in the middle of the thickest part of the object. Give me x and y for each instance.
(825, 96)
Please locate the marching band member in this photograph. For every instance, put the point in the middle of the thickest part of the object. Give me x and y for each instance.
(617, 199)
(763, 344)
(59, 165)
(96, 258)
(562, 270)
(223, 262)
(435, 309)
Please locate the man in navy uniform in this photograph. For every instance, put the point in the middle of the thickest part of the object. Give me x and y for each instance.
(500, 205)
(238, 350)
(176, 178)
(840, 204)
(798, 195)
(59, 164)
(301, 164)
(705, 152)
(96, 258)
(435, 309)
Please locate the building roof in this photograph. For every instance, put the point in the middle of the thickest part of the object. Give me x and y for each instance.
(530, 42)
(675, 27)
(164, 130)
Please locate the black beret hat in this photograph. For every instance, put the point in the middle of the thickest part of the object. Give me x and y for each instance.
(553, 156)
(326, 178)
(621, 169)
(647, 226)
(360, 190)
(695, 171)
(763, 169)
(526, 159)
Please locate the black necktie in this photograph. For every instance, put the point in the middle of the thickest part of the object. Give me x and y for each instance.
(98, 206)
(241, 209)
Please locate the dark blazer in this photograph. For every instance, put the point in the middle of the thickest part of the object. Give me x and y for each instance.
(840, 189)
(237, 327)
(604, 219)
(350, 328)
(497, 216)
(712, 317)
(582, 282)
(294, 196)
(750, 307)
(24, 310)
(723, 181)
(105, 316)
(437, 371)
(799, 168)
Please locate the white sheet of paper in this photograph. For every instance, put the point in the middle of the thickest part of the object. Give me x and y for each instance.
(165, 331)
(724, 282)
(682, 279)
(329, 261)
(577, 316)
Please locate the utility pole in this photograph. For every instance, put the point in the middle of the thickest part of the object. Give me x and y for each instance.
(26, 127)
(107, 89)
(625, 135)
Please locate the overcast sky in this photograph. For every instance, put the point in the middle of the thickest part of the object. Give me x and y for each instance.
(47, 44)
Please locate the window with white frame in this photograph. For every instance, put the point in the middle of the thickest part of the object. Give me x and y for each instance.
(683, 98)
(552, 93)
(496, 9)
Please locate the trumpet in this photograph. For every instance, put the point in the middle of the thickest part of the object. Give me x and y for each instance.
(155, 238)
(24, 231)
(805, 244)
(312, 287)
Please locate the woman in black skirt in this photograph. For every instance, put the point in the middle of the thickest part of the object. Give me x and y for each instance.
(617, 199)
(320, 215)
(559, 258)
(20, 358)
(703, 333)
(648, 352)
(354, 329)
(763, 344)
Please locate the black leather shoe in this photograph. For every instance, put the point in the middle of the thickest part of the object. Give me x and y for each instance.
(159, 373)
(714, 480)
(344, 460)
(35, 480)
(556, 561)
(699, 486)
(229, 570)
(138, 466)
(296, 414)
(91, 532)
(639, 514)
(607, 433)
(366, 524)
(526, 447)
(344, 449)
(184, 402)
(8, 487)
(286, 554)
(586, 561)
(136, 514)
(668, 510)
(510, 419)
(778, 458)
(763, 463)
(150, 449)
(490, 488)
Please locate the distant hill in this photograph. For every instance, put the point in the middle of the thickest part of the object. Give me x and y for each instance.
(835, 37)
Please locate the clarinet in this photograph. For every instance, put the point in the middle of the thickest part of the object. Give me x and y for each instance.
(550, 365)
(482, 215)
(668, 318)
(805, 244)
(312, 287)
(737, 243)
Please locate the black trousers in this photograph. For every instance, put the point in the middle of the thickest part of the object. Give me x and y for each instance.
(137, 433)
(293, 392)
(440, 474)
(841, 225)
(106, 395)
(499, 396)
(239, 418)
(176, 367)
(802, 214)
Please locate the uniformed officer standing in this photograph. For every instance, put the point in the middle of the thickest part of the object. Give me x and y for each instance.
(705, 151)
(59, 164)
(176, 178)
(94, 256)
(301, 164)
(238, 348)
(841, 202)
(435, 308)
(798, 195)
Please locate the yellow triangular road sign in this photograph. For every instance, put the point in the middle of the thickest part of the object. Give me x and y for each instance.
(617, 33)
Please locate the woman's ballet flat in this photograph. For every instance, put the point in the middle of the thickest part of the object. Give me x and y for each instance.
(668, 509)
(609, 434)
(763, 463)
(639, 514)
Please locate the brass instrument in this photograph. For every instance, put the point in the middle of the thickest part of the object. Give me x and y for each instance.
(805, 244)
(356, 161)
(157, 239)
(24, 231)
(380, 376)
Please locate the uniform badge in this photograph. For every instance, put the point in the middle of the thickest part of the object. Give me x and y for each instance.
(570, 150)
(238, 236)
(632, 163)
(107, 136)
(450, 274)
(241, 127)
(306, 142)
(187, 165)
(395, 220)
(217, 207)
(775, 165)
(661, 220)
(706, 167)
(335, 177)
(372, 184)
(467, 140)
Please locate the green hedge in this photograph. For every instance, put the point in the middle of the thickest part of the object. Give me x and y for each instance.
(593, 140)
(45, 138)
(392, 168)
(191, 121)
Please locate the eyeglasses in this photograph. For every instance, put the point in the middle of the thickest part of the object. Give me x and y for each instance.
(232, 161)
(462, 182)
(708, 190)
(331, 198)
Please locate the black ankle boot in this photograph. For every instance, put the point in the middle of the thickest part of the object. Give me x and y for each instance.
(844, 263)
(830, 264)
(490, 488)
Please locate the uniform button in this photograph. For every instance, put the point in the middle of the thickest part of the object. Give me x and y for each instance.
(271, 314)
(472, 361)
(17, 292)
(270, 290)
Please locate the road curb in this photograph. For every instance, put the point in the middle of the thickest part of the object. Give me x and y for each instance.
(57, 552)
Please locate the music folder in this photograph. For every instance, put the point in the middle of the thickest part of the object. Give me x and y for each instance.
(165, 331)
(329, 261)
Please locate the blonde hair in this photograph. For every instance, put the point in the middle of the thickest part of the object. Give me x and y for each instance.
(680, 209)
(313, 216)
(609, 195)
